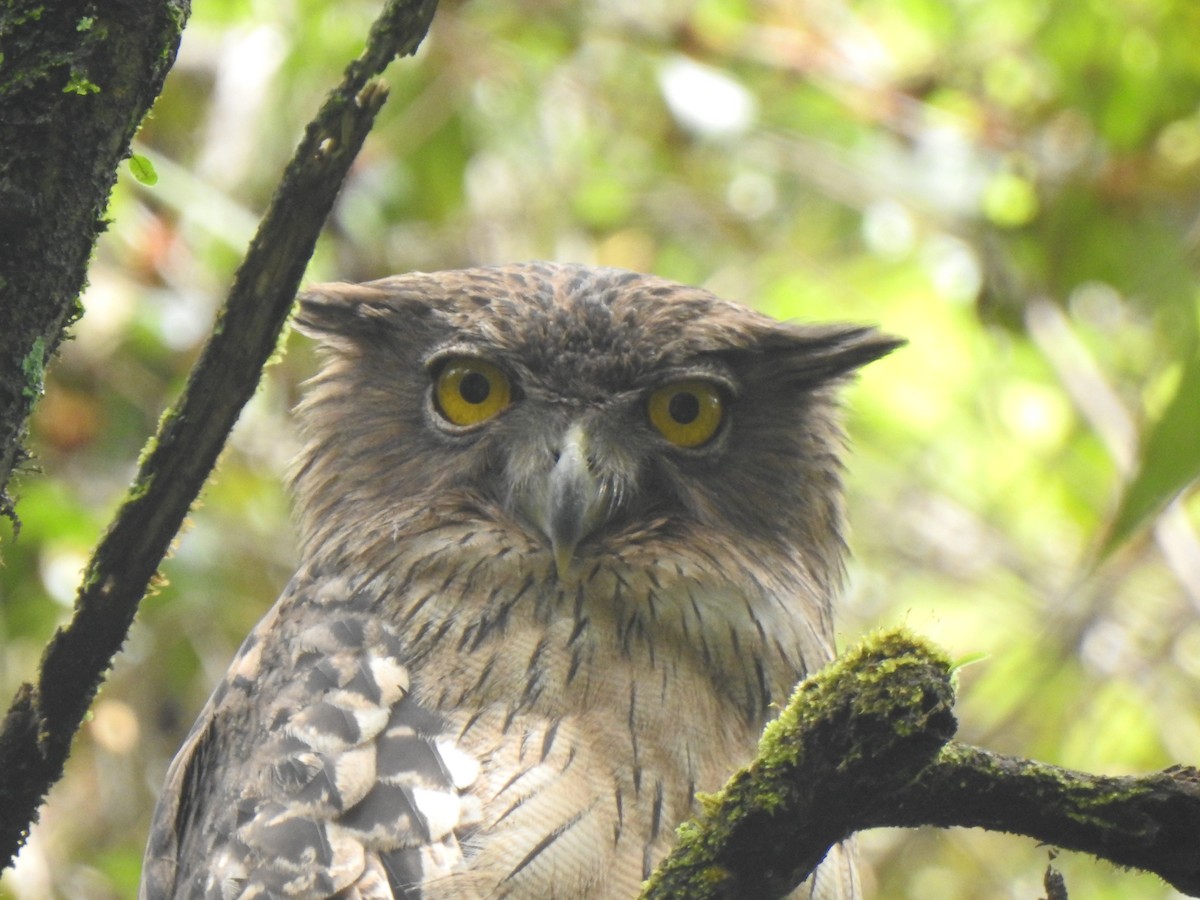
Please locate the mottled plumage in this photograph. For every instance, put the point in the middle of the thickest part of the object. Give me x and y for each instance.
(568, 533)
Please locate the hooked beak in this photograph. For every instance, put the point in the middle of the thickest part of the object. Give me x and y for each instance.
(573, 504)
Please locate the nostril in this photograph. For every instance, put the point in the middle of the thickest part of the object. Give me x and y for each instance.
(570, 449)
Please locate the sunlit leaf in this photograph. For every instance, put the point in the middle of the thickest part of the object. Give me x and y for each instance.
(968, 659)
(143, 169)
(1170, 461)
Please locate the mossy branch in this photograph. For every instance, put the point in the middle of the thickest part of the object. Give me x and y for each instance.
(76, 80)
(865, 743)
(42, 720)
(868, 723)
(1149, 822)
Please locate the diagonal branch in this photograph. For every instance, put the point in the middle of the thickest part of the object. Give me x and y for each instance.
(42, 720)
(865, 744)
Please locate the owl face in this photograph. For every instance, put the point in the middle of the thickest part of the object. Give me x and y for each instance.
(573, 464)
(580, 407)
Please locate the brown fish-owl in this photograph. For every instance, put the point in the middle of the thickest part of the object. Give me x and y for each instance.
(568, 534)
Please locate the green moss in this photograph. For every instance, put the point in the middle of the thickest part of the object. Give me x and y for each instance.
(139, 488)
(867, 703)
(33, 367)
(33, 14)
(80, 84)
(714, 876)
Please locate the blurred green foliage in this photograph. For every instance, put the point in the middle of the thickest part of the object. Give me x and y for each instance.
(1012, 185)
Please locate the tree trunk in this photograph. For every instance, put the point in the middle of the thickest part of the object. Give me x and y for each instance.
(76, 80)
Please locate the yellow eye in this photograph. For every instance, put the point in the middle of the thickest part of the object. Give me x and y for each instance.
(686, 413)
(470, 391)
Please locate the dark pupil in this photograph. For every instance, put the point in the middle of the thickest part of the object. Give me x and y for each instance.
(684, 408)
(474, 387)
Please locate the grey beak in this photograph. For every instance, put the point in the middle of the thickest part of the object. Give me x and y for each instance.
(573, 501)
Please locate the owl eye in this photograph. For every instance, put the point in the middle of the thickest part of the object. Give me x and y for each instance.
(470, 391)
(686, 413)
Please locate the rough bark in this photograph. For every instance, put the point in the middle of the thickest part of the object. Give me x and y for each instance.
(1149, 822)
(76, 80)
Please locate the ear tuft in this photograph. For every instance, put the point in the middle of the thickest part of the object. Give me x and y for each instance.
(817, 354)
(339, 309)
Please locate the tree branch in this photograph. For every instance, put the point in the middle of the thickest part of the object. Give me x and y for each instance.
(42, 720)
(1149, 822)
(865, 744)
(867, 724)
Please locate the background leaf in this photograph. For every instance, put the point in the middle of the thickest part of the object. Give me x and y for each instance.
(143, 169)
(1169, 464)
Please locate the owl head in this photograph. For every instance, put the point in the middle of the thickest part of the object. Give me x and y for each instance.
(578, 408)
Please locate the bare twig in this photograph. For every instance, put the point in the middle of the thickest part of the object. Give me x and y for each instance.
(42, 720)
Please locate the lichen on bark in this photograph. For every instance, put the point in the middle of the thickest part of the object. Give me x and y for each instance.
(76, 80)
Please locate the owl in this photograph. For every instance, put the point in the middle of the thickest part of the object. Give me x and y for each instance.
(568, 536)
